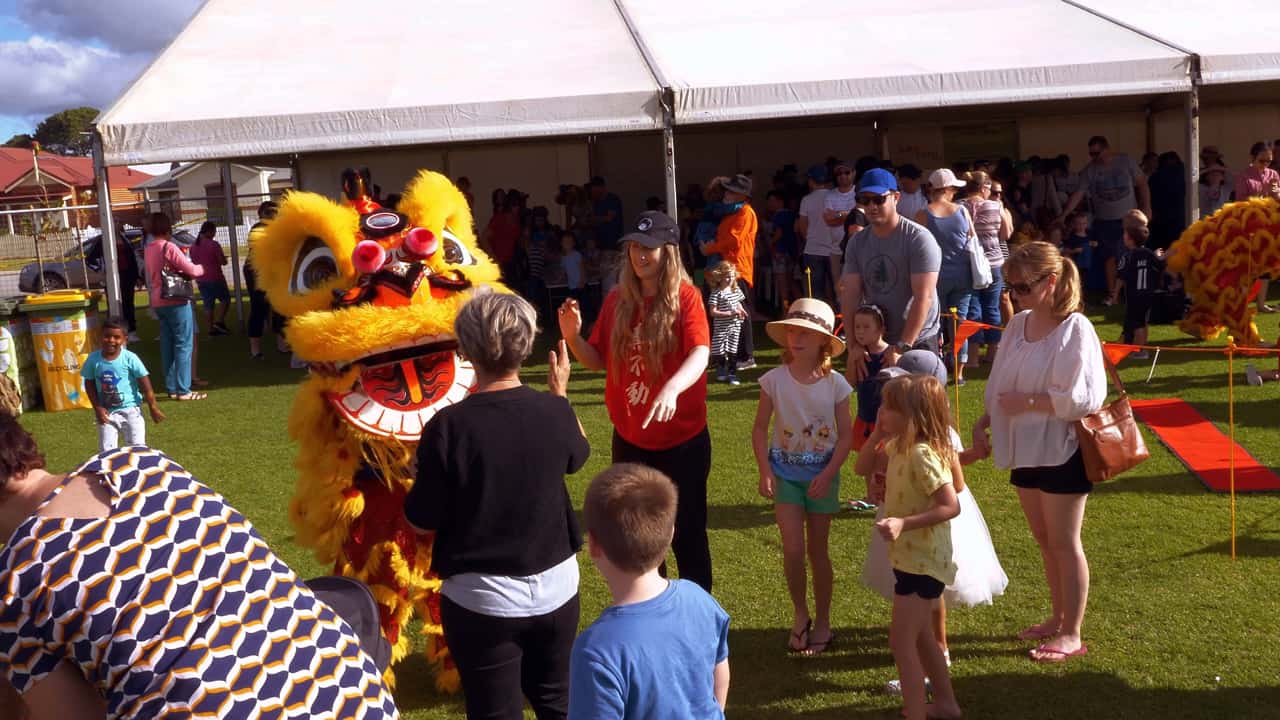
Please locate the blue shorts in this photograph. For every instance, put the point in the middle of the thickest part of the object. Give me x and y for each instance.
(211, 292)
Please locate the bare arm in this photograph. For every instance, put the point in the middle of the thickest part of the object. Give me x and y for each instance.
(1143, 192)
(850, 299)
(722, 682)
(1074, 201)
(943, 506)
(760, 441)
(922, 287)
(691, 370)
(11, 705)
(1006, 226)
(144, 382)
(64, 694)
(871, 454)
(570, 317)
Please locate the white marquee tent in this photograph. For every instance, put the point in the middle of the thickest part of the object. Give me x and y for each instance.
(299, 77)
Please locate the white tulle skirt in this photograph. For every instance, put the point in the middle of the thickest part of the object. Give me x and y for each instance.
(979, 577)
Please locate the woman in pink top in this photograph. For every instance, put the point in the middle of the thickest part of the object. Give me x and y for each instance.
(177, 323)
(1259, 180)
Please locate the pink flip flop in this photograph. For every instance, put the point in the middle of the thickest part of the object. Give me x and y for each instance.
(1045, 654)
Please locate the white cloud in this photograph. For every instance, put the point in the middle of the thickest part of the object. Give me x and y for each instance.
(129, 26)
(39, 77)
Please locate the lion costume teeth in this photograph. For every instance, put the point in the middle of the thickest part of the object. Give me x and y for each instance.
(373, 292)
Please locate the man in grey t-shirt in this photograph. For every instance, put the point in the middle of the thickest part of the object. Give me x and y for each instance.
(893, 263)
(1115, 185)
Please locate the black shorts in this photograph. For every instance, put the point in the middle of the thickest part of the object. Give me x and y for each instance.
(1137, 313)
(1069, 478)
(905, 583)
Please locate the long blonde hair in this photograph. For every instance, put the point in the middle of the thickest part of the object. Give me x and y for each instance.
(657, 325)
(922, 402)
(1038, 260)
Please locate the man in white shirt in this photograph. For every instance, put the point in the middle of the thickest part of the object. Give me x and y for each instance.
(840, 203)
(811, 226)
(912, 200)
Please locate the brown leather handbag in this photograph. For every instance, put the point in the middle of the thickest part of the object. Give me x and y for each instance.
(1110, 441)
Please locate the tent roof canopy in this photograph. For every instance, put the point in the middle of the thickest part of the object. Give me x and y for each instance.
(929, 53)
(1236, 43)
(248, 78)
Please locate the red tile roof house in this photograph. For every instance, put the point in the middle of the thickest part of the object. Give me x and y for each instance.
(65, 180)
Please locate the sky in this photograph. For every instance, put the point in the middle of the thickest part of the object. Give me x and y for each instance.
(59, 54)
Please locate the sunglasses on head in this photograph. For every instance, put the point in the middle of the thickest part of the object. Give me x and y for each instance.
(1026, 288)
(876, 200)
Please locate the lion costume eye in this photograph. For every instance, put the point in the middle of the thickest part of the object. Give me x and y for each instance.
(456, 253)
(313, 265)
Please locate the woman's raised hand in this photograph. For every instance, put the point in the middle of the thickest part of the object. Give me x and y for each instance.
(558, 370)
(570, 317)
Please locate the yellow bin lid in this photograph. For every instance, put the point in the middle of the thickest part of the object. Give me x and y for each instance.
(57, 300)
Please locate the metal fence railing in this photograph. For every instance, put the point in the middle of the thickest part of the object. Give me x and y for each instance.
(44, 249)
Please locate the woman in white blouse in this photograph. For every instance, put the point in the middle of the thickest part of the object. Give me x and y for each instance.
(1048, 373)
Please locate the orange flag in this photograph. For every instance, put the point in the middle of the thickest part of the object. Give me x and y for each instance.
(966, 330)
(1116, 352)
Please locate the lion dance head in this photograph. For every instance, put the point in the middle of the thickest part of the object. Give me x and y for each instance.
(370, 294)
(1220, 258)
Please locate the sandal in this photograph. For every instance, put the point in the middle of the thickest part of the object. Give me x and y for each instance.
(861, 505)
(802, 637)
(190, 396)
(818, 648)
(1036, 632)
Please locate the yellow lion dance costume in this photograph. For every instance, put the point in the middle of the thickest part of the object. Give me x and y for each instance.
(371, 295)
(1220, 257)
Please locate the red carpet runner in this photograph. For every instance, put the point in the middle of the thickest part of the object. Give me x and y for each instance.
(1202, 447)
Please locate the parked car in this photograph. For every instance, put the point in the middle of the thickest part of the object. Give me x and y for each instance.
(69, 271)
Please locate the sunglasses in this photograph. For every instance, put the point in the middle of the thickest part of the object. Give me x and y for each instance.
(1026, 288)
(876, 200)
(996, 193)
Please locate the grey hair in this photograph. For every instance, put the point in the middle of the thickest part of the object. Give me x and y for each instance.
(495, 331)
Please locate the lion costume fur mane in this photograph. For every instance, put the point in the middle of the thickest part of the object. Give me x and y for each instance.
(371, 295)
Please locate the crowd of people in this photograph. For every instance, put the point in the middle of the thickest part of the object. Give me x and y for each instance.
(893, 249)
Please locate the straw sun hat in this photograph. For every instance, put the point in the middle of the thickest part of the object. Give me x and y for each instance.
(809, 314)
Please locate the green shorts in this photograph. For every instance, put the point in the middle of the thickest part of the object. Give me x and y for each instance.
(793, 493)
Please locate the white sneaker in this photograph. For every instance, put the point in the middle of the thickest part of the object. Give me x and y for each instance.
(1252, 376)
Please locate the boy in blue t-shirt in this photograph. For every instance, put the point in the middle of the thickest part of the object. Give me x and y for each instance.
(1079, 244)
(113, 377)
(662, 649)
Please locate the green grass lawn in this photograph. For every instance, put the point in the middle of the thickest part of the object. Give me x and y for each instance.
(1176, 628)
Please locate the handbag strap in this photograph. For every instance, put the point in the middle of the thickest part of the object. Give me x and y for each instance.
(1114, 374)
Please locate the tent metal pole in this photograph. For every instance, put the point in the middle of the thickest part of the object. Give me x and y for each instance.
(1193, 143)
(229, 201)
(669, 151)
(111, 263)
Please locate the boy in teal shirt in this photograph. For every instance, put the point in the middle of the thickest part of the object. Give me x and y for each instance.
(112, 378)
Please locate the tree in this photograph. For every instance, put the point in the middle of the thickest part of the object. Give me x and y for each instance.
(21, 140)
(61, 132)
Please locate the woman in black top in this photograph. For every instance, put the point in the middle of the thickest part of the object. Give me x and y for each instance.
(490, 484)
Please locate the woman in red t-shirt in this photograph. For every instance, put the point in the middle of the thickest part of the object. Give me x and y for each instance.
(653, 343)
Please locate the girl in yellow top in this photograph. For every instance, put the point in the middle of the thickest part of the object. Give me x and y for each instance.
(919, 502)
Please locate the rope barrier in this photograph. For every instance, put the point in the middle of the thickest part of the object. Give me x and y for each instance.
(1231, 350)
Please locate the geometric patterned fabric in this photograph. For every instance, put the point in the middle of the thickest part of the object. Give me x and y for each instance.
(174, 606)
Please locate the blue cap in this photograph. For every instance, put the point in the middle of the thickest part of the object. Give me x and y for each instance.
(818, 173)
(878, 181)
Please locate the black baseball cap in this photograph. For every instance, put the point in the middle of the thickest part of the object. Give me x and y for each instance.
(653, 229)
